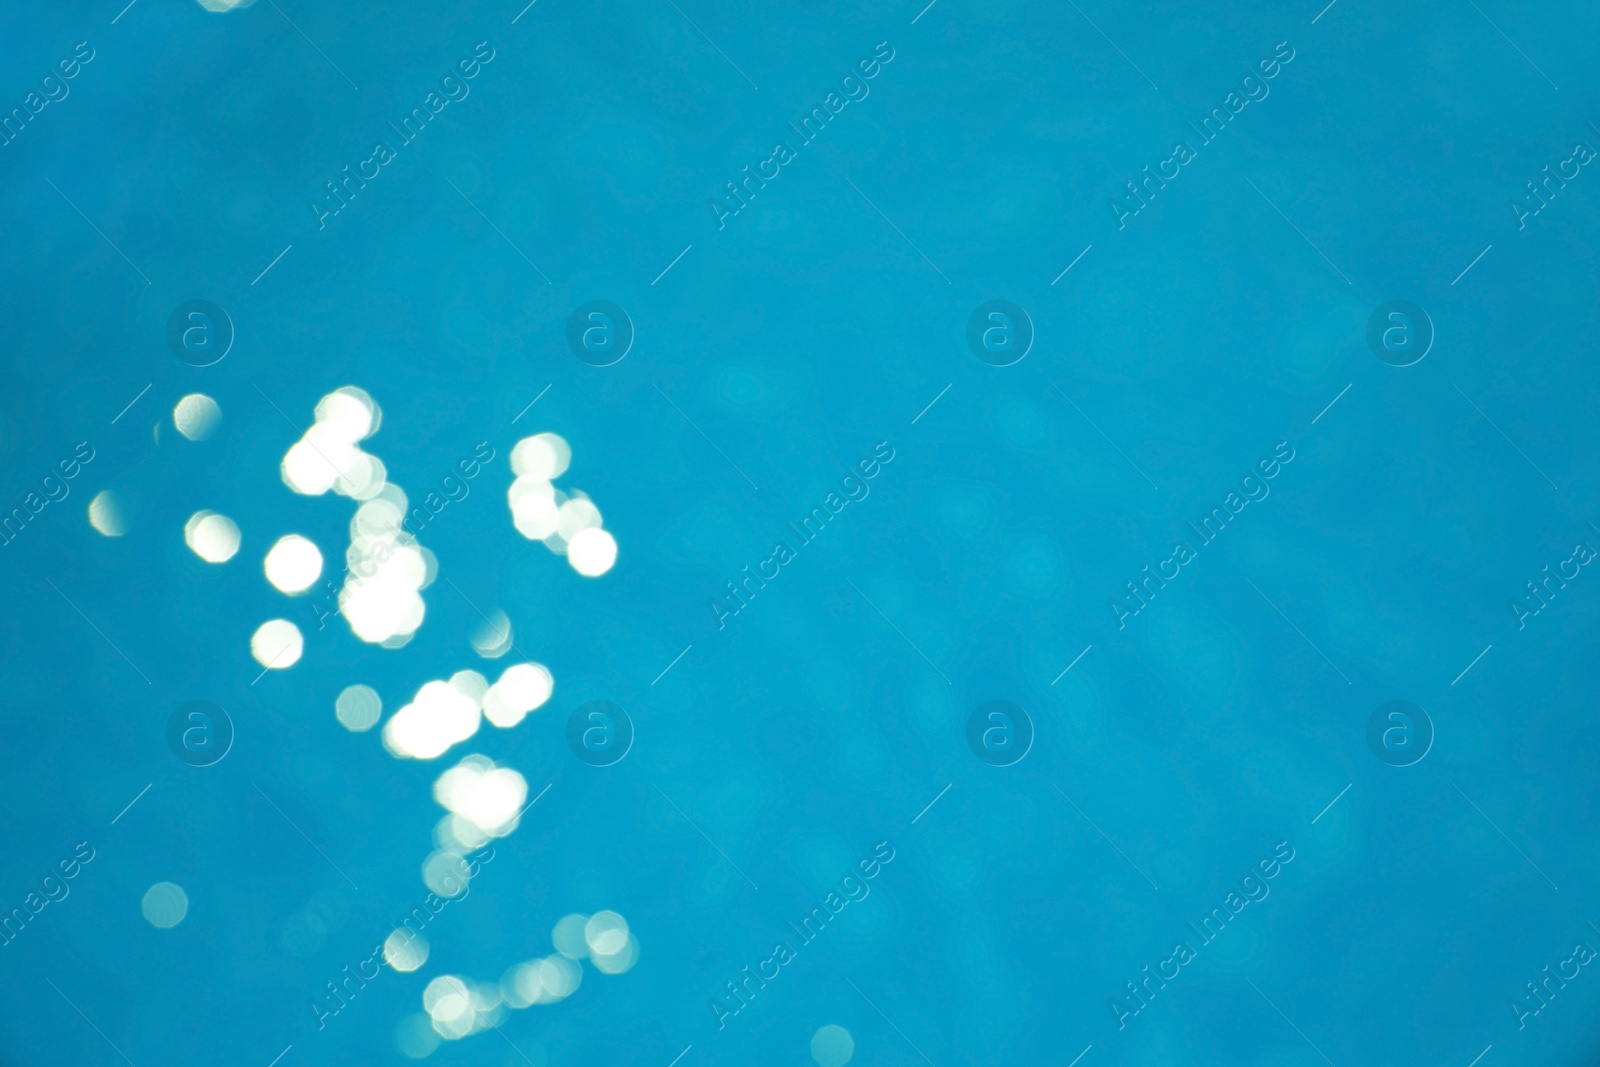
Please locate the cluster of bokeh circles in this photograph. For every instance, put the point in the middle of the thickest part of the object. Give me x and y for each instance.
(380, 598)
(454, 1007)
(444, 713)
(569, 524)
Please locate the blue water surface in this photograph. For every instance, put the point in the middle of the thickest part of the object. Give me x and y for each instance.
(1263, 501)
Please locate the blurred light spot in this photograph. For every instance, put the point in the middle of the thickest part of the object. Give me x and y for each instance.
(380, 598)
(540, 981)
(493, 639)
(445, 873)
(415, 1038)
(164, 905)
(592, 552)
(277, 644)
(516, 983)
(559, 978)
(405, 951)
(439, 716)
(619, 961)
(543, 455)
(448, 1001)
(439, 988)
(606, 933)
(213, 537)
(533, 507)
(576, 515)
(293, 564)
(328, 457)
(471, 684)
(832, 1046)
(227, 5)
(567, 936)
(316, 462)
(197, 416)
(522, 688)
(379, 517)
(358, 708)
(455, 833)
(350, 413)
(105, 515)
(487, 796)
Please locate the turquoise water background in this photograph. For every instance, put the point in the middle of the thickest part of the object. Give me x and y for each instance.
(1177, 352)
